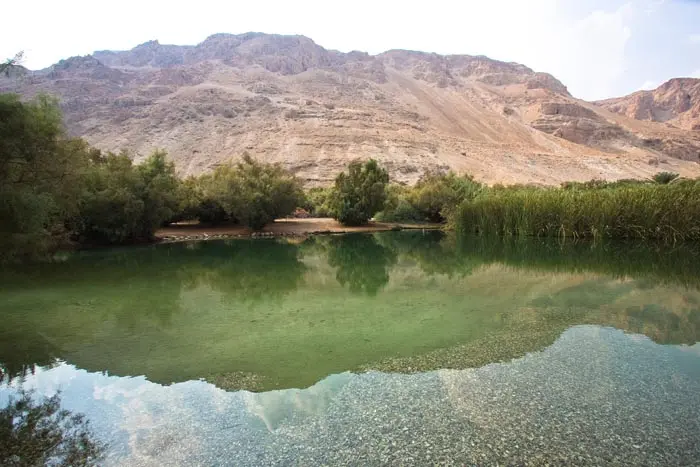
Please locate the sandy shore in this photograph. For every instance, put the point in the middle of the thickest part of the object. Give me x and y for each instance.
(280, 228)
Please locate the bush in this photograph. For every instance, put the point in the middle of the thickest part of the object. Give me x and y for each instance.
(123, 203)
(437, 194)
(40, 433)
(199, 201)
(255, 193)
(432, 199)
(360, 193)
(318, 202)
(398, 207)
(664, 178)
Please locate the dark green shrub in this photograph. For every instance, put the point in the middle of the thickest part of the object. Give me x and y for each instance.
(123, 203)
(360, 193)
(437, 194)
(254, 193)
(318, 202)
(398, 207)
(664, 178)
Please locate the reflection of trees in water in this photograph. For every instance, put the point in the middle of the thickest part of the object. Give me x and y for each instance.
(135, 293)
(246, 270)
(21, 353)
(651, 262)
(37, 431)
(361, 263)
(432, 250)
(130, 292)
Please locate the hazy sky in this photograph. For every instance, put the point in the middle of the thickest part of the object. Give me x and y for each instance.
(598, 48)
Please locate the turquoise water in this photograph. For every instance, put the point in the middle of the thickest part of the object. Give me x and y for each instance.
(395, 348)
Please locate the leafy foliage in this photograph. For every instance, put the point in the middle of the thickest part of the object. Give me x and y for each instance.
(124, 203)
(399, 207)
(10, 63)
(39, 168)
(432, 199)
(40, 433)
(436, 194)
(318, 202)
(251, 192)
(360, 193)
(664, 178)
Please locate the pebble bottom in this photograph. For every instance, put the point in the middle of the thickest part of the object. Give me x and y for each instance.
(596, 396)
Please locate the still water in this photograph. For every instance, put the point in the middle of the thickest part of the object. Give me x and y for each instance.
(405, 348)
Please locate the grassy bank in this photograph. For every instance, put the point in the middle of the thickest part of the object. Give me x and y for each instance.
(667, 212)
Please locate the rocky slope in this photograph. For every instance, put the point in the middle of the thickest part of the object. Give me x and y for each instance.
(286, 99)
(676, 102)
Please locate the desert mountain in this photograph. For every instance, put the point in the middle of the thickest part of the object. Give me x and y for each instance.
(286, 99)
(676, 102)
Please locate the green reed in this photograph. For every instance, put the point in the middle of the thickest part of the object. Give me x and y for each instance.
(670, 213)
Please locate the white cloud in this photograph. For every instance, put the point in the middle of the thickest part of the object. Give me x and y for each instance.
(694, 38)
(695, 74)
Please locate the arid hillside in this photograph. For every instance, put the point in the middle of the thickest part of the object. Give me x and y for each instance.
(676, 102)
(286, 99)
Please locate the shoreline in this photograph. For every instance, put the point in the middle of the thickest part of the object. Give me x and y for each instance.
(279, 228)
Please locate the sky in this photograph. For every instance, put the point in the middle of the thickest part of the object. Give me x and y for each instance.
(598, 48)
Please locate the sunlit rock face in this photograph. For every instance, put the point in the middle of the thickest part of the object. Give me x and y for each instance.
(287, 99)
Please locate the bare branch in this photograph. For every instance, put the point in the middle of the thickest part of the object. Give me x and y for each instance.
(11, 62)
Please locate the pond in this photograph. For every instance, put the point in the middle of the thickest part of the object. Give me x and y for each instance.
(408, 348)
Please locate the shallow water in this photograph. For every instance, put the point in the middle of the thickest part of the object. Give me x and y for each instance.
(401, 347)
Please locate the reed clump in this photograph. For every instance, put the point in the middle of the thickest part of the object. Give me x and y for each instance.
(666, 212)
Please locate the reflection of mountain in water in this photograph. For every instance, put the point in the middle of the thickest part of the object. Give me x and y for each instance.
(265, 314)
(555, 405)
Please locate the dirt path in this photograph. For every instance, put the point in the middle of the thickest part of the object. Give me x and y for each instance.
(280, 228)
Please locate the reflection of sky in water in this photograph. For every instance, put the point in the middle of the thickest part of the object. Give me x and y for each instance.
(595, 396)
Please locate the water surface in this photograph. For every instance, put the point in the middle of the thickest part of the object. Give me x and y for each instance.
(400, 347)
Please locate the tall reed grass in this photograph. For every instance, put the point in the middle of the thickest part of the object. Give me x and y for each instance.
(669, 213)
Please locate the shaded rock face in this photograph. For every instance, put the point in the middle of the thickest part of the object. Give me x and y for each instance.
(287, 99)
(676, 102)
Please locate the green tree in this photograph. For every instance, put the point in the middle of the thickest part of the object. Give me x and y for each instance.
(123, 203)
(255, 193)
(360, 193)
(437, 194)
(318, 202)
(39, 169)
(161, 190)
(40, 433)
(198, 200)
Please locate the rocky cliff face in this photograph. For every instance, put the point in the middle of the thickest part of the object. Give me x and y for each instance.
(676, 102)
(286, 99)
